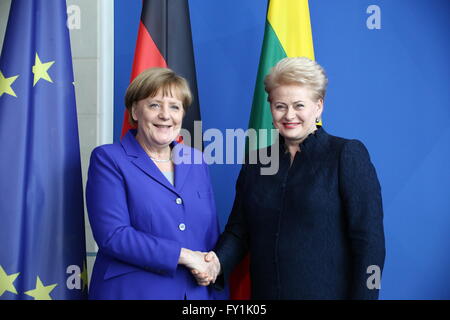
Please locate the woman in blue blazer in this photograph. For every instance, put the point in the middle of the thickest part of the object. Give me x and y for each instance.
(314, 228)
(150, 200)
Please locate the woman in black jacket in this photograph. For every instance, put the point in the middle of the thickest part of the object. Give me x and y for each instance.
(314, 230)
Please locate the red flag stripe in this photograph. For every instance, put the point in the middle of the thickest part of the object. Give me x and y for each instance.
(240, 283)
(147, 55)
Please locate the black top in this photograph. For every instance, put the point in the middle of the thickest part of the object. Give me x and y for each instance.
(313, 228)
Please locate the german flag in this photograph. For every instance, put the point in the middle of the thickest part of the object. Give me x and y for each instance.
(165, 40)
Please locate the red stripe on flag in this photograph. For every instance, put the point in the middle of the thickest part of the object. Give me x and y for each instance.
(240, 283)
(146, 55)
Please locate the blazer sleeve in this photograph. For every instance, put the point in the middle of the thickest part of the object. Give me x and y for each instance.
(361, 194)
(233, 243)
(110, 221)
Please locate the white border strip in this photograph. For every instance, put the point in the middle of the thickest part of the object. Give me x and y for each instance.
(106, 72)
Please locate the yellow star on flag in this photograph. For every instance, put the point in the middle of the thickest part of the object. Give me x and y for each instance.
(41, 292)
(84, 276)
(40, 70)
(6, 281)
(5, 85)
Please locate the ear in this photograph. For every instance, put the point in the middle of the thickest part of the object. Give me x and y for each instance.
(133, 111)
(319, 109)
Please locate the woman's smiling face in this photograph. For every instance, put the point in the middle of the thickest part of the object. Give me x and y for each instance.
(294, 113)
(159, 119)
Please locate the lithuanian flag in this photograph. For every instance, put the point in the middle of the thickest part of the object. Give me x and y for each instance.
(287, 34)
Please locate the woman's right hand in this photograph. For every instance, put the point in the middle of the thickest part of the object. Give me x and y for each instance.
(204, 266)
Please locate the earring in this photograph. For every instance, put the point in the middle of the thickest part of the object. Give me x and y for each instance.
(317, 120)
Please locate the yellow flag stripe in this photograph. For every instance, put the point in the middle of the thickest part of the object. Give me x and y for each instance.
(291, 23)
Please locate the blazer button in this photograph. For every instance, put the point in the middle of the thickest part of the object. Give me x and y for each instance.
(182, 226)
(179, 201)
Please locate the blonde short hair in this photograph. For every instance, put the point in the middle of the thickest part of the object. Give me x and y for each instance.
(150, 81)
(298, 71)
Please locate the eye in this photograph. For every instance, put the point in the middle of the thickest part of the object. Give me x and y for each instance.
(153, 105)
(280, 107)
(175, 107)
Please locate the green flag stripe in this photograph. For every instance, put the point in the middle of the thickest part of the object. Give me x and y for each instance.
(271, 53)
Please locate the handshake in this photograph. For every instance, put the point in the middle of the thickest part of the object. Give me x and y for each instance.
(204, 266)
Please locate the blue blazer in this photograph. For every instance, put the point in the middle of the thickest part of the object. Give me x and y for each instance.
(140, 223)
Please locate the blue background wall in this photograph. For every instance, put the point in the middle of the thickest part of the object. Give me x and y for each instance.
(388, 88)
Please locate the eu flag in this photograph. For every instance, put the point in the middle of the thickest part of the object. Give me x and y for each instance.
(42, 242)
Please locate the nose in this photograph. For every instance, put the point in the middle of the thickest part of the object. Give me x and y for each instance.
(290, 113)
(164, 113)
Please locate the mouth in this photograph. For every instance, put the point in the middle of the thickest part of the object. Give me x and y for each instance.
(291, 125)
(162, 126)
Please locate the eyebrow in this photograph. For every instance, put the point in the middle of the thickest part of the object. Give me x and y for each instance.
(160, 101)
(286, 103)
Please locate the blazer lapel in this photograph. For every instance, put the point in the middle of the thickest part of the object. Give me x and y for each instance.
(147, 165)
(183, 158)
(316, 150)
(142, 161)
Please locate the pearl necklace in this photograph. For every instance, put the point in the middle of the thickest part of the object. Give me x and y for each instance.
(161, 160)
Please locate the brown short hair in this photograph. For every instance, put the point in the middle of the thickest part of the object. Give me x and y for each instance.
(150, 81)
